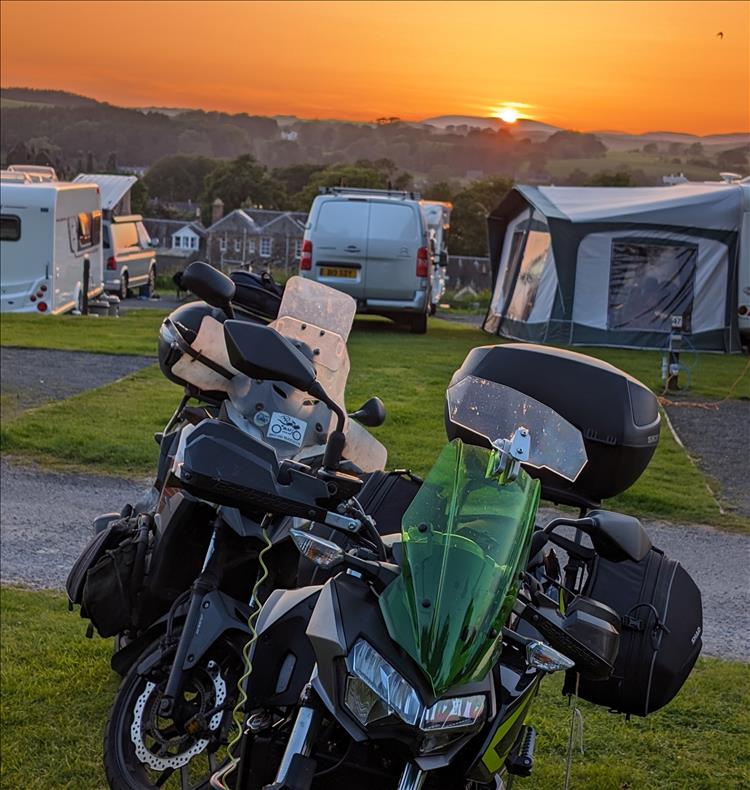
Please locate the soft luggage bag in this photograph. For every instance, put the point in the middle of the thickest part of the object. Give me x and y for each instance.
(103, 541)
(257, 294)
(108, 578)
(662, 622)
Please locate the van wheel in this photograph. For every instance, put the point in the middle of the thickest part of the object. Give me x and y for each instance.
(123, 287)
(418, 324)
(433, 308)
(148, 289)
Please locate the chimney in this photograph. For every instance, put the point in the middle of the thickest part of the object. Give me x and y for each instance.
(217, 210)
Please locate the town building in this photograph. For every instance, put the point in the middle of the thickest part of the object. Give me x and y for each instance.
(259, 238)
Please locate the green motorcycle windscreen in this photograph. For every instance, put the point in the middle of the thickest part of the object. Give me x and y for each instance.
(465, 539)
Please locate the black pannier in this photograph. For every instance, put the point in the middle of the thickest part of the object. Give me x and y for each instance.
(660, 639)
(107, 579)
(257, 294)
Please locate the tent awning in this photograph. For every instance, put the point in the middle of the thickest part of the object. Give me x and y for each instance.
(112, 188)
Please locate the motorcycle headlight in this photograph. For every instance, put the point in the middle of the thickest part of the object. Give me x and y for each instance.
(389, 687)
(453, 712)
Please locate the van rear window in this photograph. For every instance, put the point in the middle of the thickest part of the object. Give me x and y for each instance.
(346, 219)
(10, 227)
(124, 235)
(392, 221)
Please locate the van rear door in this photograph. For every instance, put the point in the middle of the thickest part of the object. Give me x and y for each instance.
(394, 237)
(339, 240)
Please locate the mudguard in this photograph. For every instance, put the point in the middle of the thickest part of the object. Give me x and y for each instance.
(219, 613)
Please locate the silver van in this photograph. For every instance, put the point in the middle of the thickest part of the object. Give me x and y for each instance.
(129, 258)
(373, 245)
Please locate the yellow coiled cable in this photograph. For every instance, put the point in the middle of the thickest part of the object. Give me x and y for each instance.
(218, 779)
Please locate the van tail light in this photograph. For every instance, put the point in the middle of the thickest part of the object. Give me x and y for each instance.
(112, 263)
(305, 260)
(42, 307)
(423, 262)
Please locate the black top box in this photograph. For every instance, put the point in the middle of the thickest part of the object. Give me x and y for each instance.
(616, 414)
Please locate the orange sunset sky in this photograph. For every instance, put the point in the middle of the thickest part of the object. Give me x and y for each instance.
(629, 66)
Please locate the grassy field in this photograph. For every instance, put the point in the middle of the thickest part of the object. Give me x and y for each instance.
(653, 165)
(57, 687)
(135, 332)
(408, 372)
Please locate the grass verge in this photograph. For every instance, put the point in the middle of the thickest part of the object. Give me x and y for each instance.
(135, 332)
(409, 372)
(57, 688)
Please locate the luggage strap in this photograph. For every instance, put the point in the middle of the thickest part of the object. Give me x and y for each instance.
(636, 624)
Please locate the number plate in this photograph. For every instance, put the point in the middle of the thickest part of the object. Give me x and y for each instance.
(338, 271)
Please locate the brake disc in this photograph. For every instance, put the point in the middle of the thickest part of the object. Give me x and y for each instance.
(162, 763)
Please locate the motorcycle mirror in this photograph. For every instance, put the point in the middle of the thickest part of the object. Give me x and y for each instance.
(371, 414)
(616, 536)
(261, 352)
(209, 284)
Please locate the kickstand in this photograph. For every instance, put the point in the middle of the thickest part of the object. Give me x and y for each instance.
(576, 718)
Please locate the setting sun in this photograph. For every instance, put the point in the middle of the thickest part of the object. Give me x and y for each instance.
(508, 114)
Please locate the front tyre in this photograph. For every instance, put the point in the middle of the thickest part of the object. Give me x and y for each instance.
(143, 750)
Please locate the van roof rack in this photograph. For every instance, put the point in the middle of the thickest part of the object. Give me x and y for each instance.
(399, 193)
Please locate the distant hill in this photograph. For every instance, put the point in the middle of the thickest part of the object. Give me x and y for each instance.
(536, 131)
(47, 98)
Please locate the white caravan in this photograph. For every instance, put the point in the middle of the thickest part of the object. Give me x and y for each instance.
(47, 230)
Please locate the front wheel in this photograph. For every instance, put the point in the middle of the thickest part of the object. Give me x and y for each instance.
(144, 750)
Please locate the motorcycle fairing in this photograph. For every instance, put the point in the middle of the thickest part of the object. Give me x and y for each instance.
(465, 539)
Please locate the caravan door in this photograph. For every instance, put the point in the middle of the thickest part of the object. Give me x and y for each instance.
(78, 224)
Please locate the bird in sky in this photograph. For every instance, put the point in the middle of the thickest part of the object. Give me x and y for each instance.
(720, 35)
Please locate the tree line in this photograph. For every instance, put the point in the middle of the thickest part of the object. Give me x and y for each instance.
(244, 182)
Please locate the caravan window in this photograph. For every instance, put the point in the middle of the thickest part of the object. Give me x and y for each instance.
(89, 229)
(650, 283)
(530, 270)
(10, 227)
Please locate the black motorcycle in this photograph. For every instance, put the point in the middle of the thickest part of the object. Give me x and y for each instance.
(415, 664)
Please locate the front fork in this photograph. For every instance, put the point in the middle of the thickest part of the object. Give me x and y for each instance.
(207, 582)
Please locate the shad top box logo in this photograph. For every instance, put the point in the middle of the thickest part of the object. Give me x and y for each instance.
(286, 428)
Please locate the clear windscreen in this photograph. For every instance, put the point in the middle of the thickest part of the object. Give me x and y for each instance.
(495, 411)
(294, 424)
(313, 303)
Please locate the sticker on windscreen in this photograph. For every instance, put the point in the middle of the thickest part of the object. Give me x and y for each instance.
(286, 429)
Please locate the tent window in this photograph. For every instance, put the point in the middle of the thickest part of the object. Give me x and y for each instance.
(650, 284)
(532, 265)
(514, 257)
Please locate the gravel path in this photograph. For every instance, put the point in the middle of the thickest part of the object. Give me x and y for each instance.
(32, 376)
(45, 521)
(718, 439)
